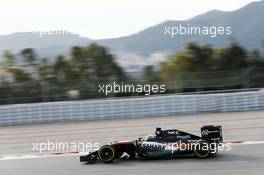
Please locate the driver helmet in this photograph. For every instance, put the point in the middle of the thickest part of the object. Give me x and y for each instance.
(150, 137)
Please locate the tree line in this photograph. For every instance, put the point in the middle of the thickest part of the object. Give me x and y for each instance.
(233, 65)
(77, 76)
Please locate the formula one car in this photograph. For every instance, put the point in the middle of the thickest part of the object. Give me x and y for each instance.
(164, 144)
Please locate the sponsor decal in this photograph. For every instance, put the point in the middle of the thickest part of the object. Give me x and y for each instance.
(206, 132)
(173, 132)
(153, 146)
(183, 137)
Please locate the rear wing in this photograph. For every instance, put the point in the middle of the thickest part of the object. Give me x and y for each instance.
(212, 133)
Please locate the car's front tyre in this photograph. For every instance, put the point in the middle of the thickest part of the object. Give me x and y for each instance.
(107, 153)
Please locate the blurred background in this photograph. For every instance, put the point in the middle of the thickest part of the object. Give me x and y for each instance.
(61, 66)
(198, 68)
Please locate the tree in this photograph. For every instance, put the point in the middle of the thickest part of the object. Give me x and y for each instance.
(76, 53)
(195, 58)
(59, 67)
(201, 56)
(149, 74)
(29, 55)
(44, 69)
(97, 63)
(19, 75)
(255, 61)
(9, 58)
(232, 57)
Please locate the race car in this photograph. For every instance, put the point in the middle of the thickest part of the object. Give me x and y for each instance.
(164, 144)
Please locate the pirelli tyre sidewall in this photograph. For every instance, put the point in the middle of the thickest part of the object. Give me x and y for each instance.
(107, 153)
(200, 150)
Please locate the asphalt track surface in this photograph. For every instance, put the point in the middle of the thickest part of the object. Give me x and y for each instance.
(242, 159)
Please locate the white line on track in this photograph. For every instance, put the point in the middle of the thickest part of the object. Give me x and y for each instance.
(21, 156)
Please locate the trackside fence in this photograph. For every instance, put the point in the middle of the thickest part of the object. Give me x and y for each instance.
(166, 105)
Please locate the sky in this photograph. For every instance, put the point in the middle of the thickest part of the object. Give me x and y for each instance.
(99, 19)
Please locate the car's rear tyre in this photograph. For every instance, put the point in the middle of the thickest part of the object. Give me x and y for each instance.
(107, 153)
(202, 149)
